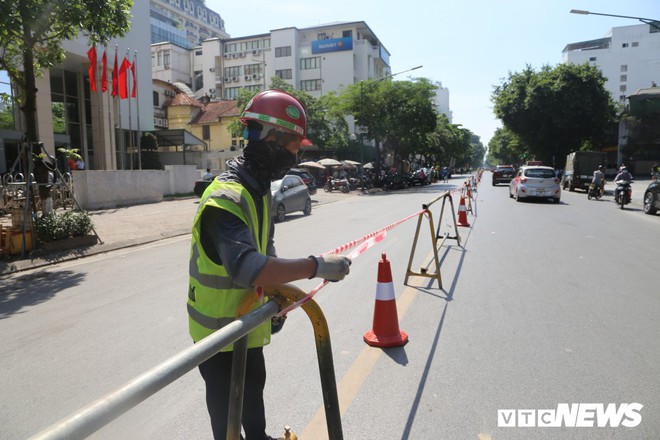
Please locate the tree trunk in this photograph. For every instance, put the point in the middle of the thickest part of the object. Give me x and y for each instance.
(31, 130)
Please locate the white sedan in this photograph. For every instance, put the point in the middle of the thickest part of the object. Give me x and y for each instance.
(535, 182)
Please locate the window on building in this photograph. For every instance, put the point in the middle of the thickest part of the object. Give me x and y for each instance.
(231, 92)
(310, 85)
(310, 63)
(622, 97)
(234, 71)
(198, 53)
(253, 88)
(284, 74)
(321, 36)
(624, 45)
(159, 61)
(624, 67)
(624, 78)
(156, 98)
(635, 44)
(251, 69)
(592, 58)
(347, 34)
(206, 132)
(153, 60)
(284, 51)
(166, 58)
(622, 88)
(6, 110)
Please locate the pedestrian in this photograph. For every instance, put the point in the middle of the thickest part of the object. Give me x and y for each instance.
(232, 253)
(80, 164)
(208, 175)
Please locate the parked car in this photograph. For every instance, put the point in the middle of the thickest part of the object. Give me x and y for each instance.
(201, 185)
(309, 180)
(535, 182)
(652, 198)
(289, 195)
(503, 174)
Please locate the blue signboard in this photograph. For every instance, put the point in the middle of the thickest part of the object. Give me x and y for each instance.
(332, 45)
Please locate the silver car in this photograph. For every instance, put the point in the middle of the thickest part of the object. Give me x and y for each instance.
(535, 182)
(289, 195)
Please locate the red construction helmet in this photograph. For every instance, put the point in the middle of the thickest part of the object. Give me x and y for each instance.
(277, 108)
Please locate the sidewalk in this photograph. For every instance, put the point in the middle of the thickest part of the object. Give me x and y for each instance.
(135, 225)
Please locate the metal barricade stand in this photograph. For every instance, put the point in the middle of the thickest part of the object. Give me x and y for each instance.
(286, 295)
(447, 196)
(423, 270)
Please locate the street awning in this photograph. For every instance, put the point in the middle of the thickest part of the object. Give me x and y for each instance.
(177, 137)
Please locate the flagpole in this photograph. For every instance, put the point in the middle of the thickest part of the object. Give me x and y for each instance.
(99, 110)
(122, 140)
(130, 118)
(111, 131)
(137, 105)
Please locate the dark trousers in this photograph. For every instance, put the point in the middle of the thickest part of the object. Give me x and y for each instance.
(216, 372)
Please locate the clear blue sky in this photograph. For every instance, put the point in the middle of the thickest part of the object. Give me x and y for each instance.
(469, 46)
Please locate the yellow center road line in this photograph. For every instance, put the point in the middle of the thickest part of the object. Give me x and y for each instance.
(350, 384)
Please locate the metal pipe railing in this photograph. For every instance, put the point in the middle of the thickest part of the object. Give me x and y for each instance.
(97, 414)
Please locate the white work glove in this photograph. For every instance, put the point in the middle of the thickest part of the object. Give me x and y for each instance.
(331, 267)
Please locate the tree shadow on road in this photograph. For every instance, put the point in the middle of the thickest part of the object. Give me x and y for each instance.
(21, 292)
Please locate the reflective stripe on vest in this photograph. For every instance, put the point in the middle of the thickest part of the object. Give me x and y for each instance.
(213, 297)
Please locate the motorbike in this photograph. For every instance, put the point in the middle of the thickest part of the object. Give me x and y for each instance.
(624, 193)
(336, 184)
(594, 192)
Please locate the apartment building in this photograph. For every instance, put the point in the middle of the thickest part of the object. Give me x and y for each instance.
(628, 56)
(317, 59)
(184, 22)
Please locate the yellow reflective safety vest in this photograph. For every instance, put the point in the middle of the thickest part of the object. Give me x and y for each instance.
(213, 298)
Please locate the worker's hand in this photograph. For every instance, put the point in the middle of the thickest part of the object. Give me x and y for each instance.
(332, 267)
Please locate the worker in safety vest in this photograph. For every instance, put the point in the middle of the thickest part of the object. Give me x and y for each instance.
(232, 252)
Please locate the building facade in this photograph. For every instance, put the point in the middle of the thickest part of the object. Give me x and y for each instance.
(317, 60)
(185, 23)
(628, 56)
(104, 129)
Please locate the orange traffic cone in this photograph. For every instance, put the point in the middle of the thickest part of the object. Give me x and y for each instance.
(462, 213)
(385, 330)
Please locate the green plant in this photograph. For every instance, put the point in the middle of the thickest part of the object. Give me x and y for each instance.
(51, 227)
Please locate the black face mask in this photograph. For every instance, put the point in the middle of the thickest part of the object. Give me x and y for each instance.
(268, 161)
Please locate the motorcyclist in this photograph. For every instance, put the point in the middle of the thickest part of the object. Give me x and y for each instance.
(599, 179)
(623, 175)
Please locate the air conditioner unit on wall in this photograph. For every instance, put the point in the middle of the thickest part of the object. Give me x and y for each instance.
(235, 79)
(234, 55)
(255, 76)
(256, 52)
(226, 56)
(211, 69)
(248, 78)
(242, 54)
(227, 79)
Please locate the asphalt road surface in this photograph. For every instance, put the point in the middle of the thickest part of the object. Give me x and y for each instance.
(543, 305)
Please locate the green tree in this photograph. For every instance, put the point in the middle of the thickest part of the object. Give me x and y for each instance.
(32, 32)
(556, 110)
(149, 152)
(398, 113)
(505, 148)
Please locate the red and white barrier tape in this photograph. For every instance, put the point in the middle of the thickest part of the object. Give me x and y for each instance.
(364, 243)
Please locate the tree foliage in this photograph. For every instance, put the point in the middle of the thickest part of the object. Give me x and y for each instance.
(505, 148)
(555, 110)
